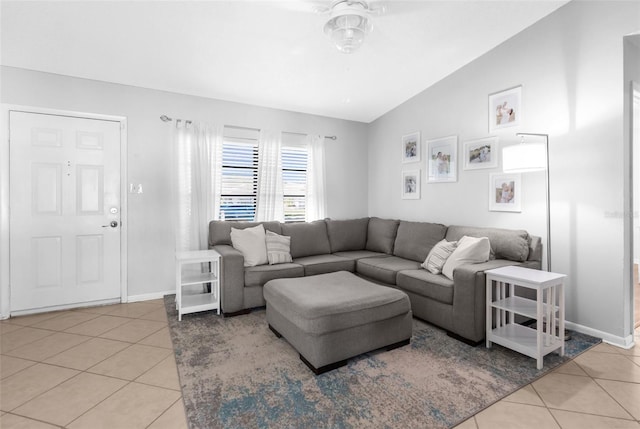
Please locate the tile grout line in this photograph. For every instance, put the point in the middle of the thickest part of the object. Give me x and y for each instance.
(165, 411)
(35, 420)
(594, 379)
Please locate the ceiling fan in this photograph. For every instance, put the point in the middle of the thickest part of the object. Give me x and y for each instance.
(348, 24)
(349, 20)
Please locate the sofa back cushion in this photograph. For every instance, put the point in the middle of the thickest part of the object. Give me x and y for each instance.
(220, 230)
(307, 238)
(415, 240)
(381, 234)
(511, 244)
(345, 235)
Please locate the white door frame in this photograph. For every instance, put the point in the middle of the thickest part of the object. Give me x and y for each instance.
(5, 288)
(635, 175)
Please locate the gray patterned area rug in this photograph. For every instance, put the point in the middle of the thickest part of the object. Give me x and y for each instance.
(235, 373)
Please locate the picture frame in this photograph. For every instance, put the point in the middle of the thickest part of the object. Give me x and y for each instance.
(505, 109)
(442, 160)
(480, 153)
(505, 192)
(411, 147)
(411, 184)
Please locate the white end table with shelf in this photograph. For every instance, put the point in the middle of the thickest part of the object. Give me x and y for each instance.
(547, 310)
(194, 302)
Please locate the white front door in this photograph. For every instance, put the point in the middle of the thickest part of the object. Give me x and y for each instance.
(64, 210)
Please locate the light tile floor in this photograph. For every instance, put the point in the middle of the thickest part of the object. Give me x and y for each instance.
(99, 367)
(113, 367)
(598, 389)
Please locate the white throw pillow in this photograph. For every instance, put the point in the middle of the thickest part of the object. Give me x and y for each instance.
(438, 256)
(251, 242)
(469, 250)
(278, 248)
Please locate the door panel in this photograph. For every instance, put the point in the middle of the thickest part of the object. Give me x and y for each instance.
(46, 254)
(65, 178)
(90, 188)
(46, 189)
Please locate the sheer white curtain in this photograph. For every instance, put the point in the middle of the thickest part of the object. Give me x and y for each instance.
(270, 202)
(316, 205)
(197, 182)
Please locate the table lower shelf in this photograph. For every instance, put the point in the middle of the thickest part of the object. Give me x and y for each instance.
(524, 340)
(198, 302)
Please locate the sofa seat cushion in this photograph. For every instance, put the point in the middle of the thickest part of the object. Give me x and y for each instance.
(321, 264)
(259, 275)
(335, 301)
(354, 255)
(385, 268)
(429, 285)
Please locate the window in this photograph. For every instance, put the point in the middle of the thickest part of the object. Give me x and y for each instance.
(239, 174)
(239, 181)
(294, 176)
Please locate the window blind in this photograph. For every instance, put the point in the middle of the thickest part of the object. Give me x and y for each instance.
(239, 174)
(294, 177)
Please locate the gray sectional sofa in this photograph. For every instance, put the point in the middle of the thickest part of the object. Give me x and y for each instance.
(385, 251)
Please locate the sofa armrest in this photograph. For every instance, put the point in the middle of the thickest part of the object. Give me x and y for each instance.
(232, 272)
(469, 306)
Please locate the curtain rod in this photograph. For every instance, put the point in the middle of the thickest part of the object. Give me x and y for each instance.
(303, 134)
(165, 118)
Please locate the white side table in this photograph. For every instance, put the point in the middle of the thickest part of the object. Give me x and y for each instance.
(194, 302)
(547, 309)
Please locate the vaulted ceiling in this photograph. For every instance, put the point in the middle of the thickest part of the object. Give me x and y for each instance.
(266, 53)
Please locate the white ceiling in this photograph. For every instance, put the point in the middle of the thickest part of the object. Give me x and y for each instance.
(266, 53)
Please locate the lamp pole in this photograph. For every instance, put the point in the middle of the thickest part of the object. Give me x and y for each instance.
(547, 190)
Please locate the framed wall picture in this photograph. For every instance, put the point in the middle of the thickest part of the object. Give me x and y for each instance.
(411, 147)
(442, 160)
(480, 153)
(411, 185)
(505, 192)
(505, 109)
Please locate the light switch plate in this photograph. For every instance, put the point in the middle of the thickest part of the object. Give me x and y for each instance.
(135, 188)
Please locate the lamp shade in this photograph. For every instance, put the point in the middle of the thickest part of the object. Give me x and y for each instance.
(524, 157)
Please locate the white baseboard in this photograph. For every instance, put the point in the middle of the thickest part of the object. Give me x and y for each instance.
(614, 340)
(150, 296)
(132, 298)
(64, 307)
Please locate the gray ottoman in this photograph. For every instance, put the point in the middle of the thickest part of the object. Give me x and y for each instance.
(330, 318)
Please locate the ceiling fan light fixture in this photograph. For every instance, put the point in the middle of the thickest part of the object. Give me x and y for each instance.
(348, 25)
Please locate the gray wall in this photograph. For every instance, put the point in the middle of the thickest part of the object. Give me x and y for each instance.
(570, 66)
(150, 236)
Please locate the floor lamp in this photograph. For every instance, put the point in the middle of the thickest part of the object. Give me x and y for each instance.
(529, 157)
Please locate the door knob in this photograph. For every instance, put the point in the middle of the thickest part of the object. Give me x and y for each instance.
(113, 224)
